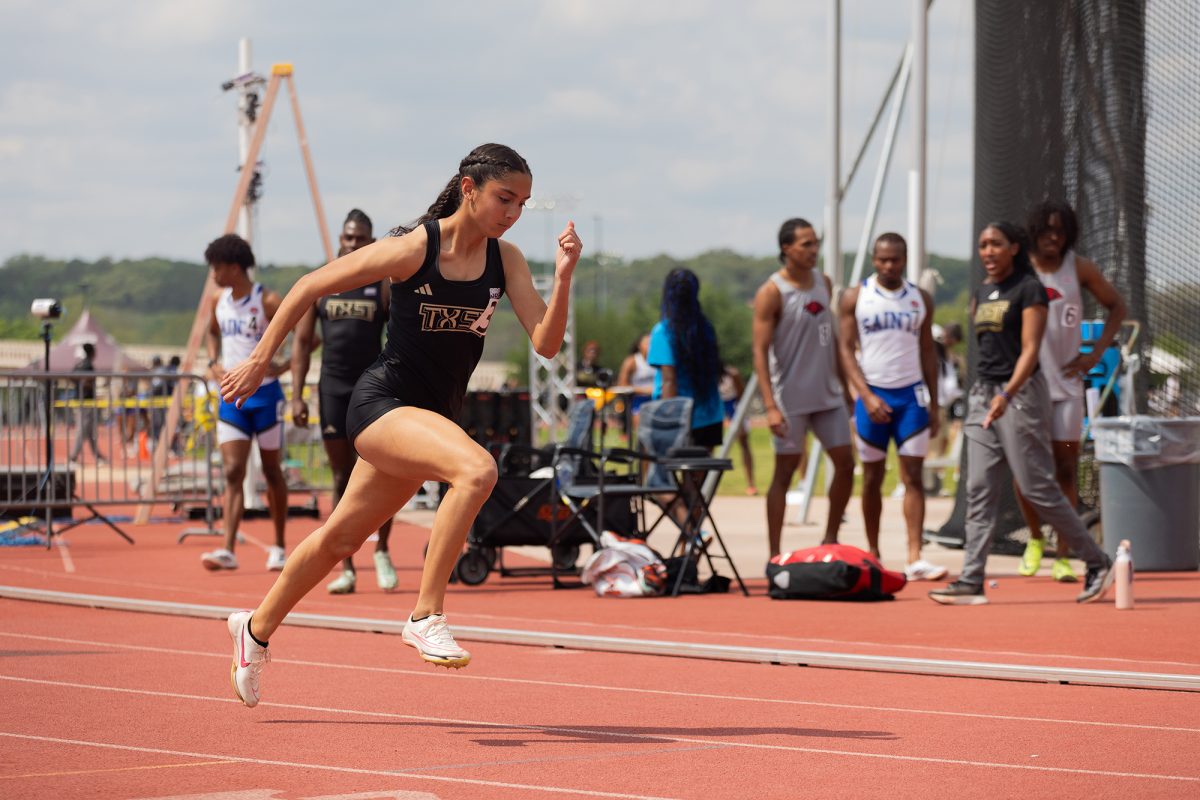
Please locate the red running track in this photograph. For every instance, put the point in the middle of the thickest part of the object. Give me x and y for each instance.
(120, 705)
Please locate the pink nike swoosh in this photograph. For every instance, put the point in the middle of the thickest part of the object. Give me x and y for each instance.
(242, 649)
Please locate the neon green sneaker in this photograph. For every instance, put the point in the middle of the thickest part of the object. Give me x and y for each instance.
(1031, 561)
(1062, 572)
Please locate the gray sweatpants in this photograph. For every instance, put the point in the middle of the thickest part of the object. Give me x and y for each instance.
(1020, 437)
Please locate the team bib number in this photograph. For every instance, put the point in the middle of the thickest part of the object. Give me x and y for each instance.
(480, 325)
(921, 392)
(825, 332)
(1070, 315)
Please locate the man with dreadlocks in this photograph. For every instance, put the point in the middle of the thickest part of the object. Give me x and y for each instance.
(799, 377)
(683, 347)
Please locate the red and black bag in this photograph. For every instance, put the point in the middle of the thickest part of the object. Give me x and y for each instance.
(831, 572)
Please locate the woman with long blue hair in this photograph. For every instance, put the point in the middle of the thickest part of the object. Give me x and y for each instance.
(683, 346)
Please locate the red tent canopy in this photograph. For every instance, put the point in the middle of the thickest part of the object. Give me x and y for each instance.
(109, 356)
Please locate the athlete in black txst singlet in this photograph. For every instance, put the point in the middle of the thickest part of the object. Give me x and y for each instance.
(447, 273)
(352, 338)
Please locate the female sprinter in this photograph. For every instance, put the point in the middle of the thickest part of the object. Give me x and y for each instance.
(447, 274)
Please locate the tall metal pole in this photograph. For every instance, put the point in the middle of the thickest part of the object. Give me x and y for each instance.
(885, 161)
(833, 224)
(916, 210)
(245, 219)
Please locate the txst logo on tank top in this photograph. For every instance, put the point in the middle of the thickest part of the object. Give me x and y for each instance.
(337, 309)
(437, 318)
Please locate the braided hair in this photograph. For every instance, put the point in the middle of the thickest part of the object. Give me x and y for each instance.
(693, 340)
(484, 163)
(359, 217)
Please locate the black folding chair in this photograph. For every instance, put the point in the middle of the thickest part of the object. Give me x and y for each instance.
(529, 506)
(674, 478)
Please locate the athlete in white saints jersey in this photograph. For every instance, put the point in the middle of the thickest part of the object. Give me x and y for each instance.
(241, 311)
(889, 321)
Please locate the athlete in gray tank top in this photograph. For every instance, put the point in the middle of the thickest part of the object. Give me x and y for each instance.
(796, 365)
(803, 354)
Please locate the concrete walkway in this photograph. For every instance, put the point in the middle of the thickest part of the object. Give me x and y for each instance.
(742, 522)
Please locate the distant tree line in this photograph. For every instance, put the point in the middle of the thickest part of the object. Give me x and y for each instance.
(153, 300)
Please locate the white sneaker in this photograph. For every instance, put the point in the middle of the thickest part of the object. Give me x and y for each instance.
(276, 558)
(219, 559)
(433, 640)
(385, 573)
(342, 584)
(922, 570)
(249, 658)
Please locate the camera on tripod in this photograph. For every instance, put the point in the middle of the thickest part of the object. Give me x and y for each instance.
(46, 308)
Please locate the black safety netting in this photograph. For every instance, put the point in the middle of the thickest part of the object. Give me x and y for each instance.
(1097, 103)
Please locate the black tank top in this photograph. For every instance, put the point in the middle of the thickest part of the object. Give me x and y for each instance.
(436, 330)
(351, 331)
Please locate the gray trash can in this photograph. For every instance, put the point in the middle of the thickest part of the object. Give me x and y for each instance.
(1150, 489)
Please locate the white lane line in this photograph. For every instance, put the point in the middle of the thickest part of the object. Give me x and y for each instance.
(460, 675)
(988, 670)
(64, 773)
(64, 550)
(326, 767)
(589, 732)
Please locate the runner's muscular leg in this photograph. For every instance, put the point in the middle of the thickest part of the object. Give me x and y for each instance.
(371, 497)
(423, 445)
(341, 462)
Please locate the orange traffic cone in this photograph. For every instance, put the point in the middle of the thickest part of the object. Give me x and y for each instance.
(143, 446)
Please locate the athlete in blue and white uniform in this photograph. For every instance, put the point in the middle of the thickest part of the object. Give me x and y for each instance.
(241, 311)
(890, 322)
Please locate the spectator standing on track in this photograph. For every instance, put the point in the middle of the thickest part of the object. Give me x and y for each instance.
(890, 321)
(1008, 418)
(799, 377)
(448, 273)
(241, 311)
(683, 348)
(1053, 230)
(88, 413)
(352, 324)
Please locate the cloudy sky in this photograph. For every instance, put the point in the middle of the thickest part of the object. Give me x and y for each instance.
(659, 127)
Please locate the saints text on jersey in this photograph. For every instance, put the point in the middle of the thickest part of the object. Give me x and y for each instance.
(892, 321)
(240, 327)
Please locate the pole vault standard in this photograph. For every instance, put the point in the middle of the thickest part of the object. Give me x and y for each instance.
(279, 73)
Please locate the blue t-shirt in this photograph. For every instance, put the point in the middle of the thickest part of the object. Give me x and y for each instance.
(704, 412)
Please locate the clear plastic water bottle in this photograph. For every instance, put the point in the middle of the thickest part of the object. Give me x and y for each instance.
(1123, 571)
(564, 474)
